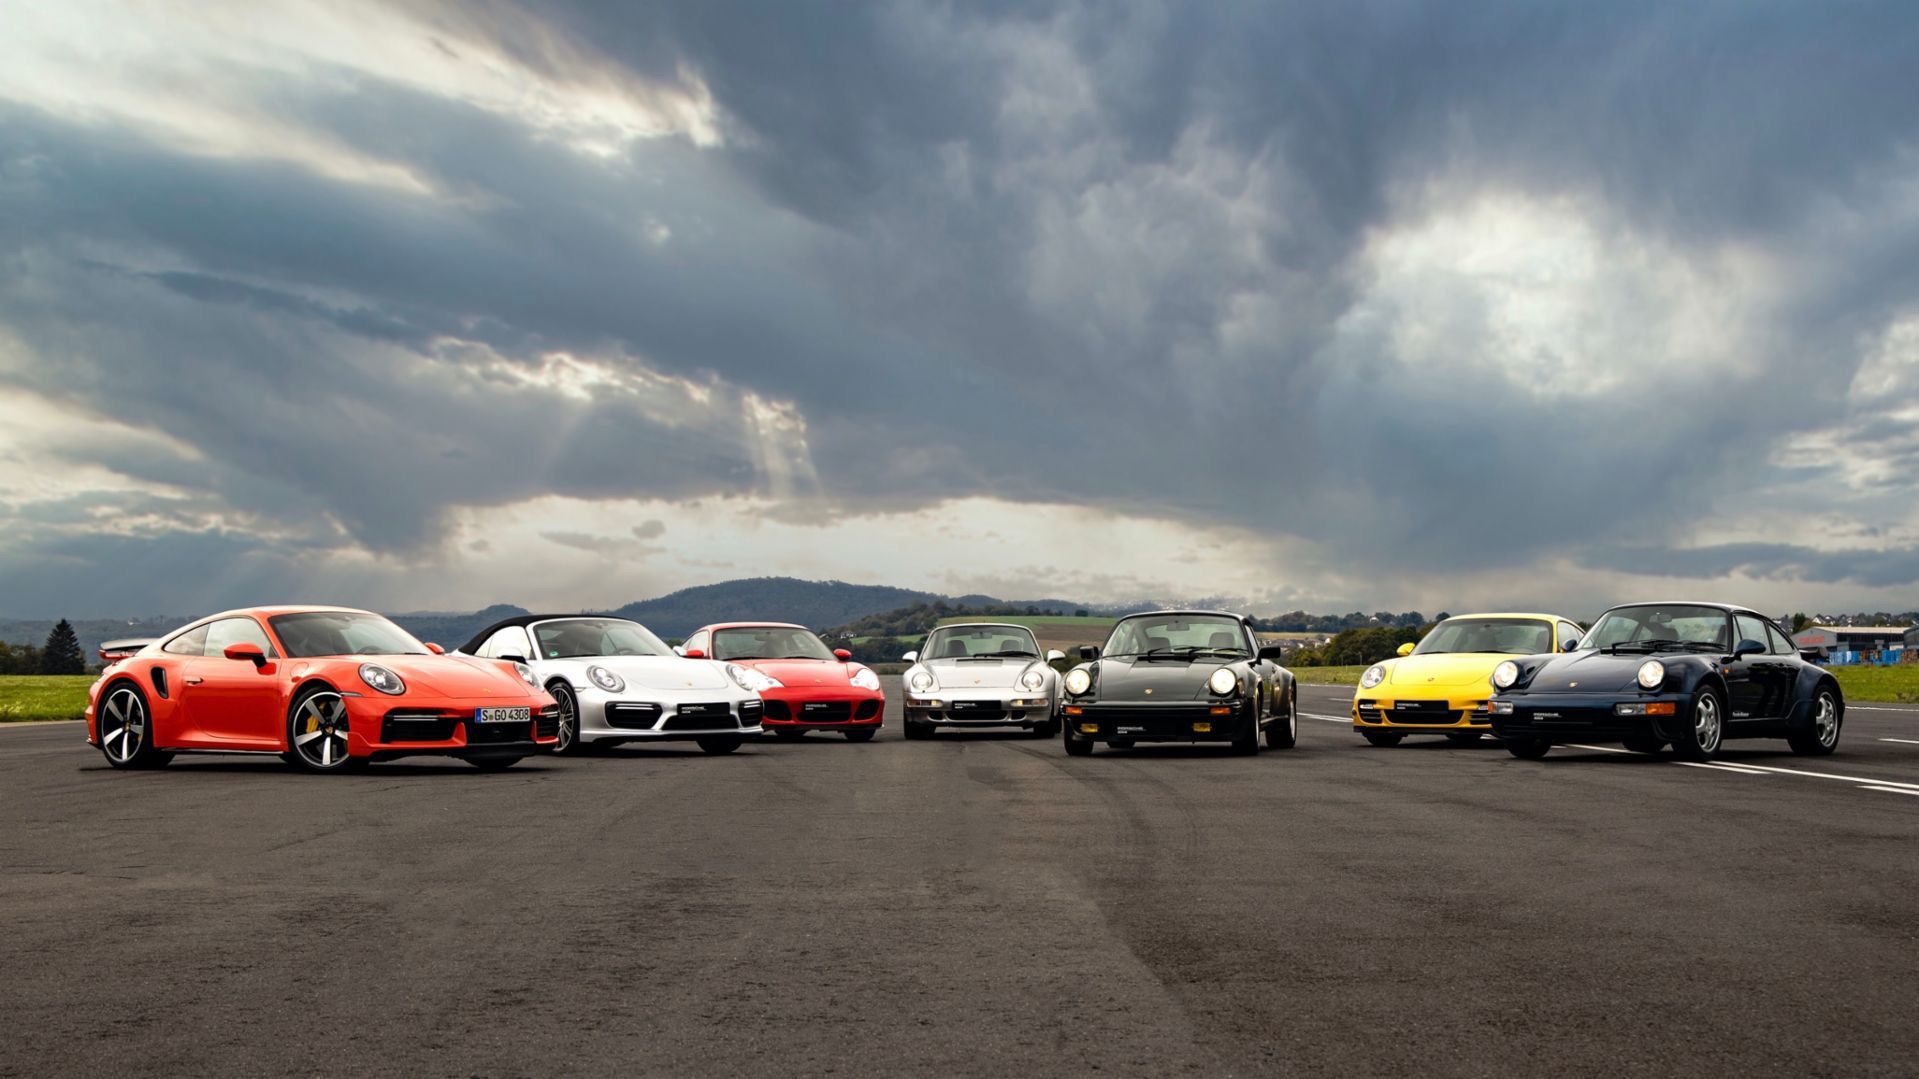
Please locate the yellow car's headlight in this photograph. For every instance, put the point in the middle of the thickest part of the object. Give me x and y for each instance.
(1374, 675)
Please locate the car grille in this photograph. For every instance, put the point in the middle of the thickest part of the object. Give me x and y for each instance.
(778, 711)
(487, 734)
(982, 710)
(546, 724)
(1164, 722)
(402, 725)
(707, 716)
(869, 710)
(825, 711)
(629, 716)
(750, 712)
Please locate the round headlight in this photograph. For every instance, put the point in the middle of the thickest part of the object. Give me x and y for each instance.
(922, 680)
(1652, 674)
(526, 674)
(1033, 679)
(1223, 682)
(1078, 681)
(380, 678)
(605, 679)
(1505, 674)
(1374, 675)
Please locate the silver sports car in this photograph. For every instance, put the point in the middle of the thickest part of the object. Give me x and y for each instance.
(981, 674)
(616, 682)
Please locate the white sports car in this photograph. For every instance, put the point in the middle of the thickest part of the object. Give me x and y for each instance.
(616, 682)
(981, 674)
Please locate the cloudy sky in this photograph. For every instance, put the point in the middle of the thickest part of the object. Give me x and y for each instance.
(1383, 305)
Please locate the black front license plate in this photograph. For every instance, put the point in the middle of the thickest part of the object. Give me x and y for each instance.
(502, 715)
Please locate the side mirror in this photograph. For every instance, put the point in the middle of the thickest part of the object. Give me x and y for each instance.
(435, 649)
(508, 658)
(843, 655)
(1272, 651)
(693, 653)
(1749, 648)
(252, 653)
(911, 657)
(1088, 653)
(1054, 655)
(1405, 649)
(1571, 645)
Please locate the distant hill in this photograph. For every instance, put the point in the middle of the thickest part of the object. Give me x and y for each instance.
(781, 599)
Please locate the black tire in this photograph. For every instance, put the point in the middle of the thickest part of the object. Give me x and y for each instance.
(1528, 749)
(716, 744)
(494, 764)
(1247, 744)
(1383, 739)
(124, 725)
(788, 734)
(916, 731)
(1647, 744)
(317, 727)
(861, 735)
(1079, 747)
(1699, 739)
(1283, 733)
(570, 743)
(1464, 738)
(1048, 729)
(1821, 736)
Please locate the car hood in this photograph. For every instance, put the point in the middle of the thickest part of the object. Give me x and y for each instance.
(1445, 669)
(664, 672)
(1156, 680)
(809, 673)
(1600, 672)
(997, 673)
(456, 678)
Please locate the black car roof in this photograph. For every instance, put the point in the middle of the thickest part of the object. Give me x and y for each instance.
(478, 639)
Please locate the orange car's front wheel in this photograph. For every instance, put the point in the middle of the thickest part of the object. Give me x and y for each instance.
(317, 732)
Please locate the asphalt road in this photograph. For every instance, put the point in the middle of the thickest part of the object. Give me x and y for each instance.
(974, 905)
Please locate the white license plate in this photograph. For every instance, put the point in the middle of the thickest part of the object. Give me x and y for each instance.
(502, 715)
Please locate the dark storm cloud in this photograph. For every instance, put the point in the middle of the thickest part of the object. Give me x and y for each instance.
(1100, 253)
(1877, 568)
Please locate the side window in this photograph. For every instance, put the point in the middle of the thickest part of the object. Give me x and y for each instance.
(1750, 629)
(1568, 633)
(236, 631)
(191, 643)
(1781, 644)
(510, 641)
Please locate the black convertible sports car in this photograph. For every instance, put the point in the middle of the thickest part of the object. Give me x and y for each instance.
(1689, 675)
(1179, 676)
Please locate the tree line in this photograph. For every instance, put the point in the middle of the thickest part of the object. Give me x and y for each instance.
(60, 654)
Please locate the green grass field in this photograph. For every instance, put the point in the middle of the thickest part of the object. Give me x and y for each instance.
(1328, 676)
(25, 698)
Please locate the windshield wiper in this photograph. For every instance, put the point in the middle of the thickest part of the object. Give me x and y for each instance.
(790, 657)
(1218, 652)
(999, 655)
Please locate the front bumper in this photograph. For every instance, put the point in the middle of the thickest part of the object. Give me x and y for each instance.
(1588, 717)
(625, 717)
(841, 709)
(1184, 721)
(379, 729)
(1379, 710)
(1006, 709)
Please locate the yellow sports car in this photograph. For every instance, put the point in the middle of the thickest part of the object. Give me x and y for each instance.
(1441, 685)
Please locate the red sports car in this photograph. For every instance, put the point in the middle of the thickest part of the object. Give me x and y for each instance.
(814, 688)
(327, 688)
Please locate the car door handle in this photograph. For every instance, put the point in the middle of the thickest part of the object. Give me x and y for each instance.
(192, 681)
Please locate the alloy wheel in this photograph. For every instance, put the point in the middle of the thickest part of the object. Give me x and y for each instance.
(1825, 722)
(320, 729)
(123, 724)
(1706, 723)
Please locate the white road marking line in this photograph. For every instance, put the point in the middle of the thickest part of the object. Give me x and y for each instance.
(1866, 780)
(1602, 749)
(21, 724)
(1761, 769)
(1328, 719)
(1903, 741)
(1891, 790)
(1721, 767)
(1880, 708)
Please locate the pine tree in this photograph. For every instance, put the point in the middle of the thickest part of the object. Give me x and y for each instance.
(62, 654)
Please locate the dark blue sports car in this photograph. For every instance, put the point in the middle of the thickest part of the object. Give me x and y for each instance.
(1688, 675)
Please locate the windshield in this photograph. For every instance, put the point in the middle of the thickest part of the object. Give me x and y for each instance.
(574, 638)
(1517, 636)
(769, 642)
(1657, 626)
(342, 633)
(963, 642)
(1176, 634)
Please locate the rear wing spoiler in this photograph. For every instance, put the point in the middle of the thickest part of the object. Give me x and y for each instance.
(118, 650)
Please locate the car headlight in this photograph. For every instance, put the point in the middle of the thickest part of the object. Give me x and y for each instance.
(1078, 680)
(922, 680)
(1652, 674)
(1374, 675)
(1033, 680)
(864, 678)
(748, 678)
(605, 679)
(1506, 674)
(382, 679)
(526, 674)
(1223, 681)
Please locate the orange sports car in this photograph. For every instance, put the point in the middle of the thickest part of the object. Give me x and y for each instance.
(326, 688)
